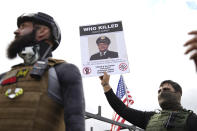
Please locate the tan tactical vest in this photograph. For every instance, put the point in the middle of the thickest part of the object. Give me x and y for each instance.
(168, 121)
(24, 102)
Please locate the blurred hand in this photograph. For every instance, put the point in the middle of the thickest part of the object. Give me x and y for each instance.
(192, 47)
(105, 81)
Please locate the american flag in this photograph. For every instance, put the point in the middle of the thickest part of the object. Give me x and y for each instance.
(126, 98)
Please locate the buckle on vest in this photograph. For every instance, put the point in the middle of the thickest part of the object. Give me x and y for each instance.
(14, 93)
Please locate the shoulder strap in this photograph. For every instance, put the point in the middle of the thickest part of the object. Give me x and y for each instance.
(52, 62)
(54, 87)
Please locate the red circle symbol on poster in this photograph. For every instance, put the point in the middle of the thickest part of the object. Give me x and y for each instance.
(87, 70)
(123, 66)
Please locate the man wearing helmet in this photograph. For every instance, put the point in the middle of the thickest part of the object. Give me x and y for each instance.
(42, 93)
(103, 44)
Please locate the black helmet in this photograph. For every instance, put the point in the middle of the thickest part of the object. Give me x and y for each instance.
(45, 19)
(103, 39)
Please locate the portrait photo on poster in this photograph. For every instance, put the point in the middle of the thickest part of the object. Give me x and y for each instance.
(103, 49)
(102, 46)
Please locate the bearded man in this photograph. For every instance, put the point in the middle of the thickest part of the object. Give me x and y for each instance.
(43, 93)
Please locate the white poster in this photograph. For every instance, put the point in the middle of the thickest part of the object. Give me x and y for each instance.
(103, 49)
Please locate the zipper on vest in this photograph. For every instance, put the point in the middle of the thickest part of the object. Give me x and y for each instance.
(170, 122)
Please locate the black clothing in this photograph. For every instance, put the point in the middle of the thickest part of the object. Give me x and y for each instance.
(70, 94)
(108, 54)
(141, 118)
(73, 99)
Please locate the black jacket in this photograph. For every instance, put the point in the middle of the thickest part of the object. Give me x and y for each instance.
(73, 98)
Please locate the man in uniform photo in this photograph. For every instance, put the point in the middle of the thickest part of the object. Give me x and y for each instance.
(103, 43)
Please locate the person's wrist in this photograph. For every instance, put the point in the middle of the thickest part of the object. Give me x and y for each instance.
(104, 84)
(106, 87)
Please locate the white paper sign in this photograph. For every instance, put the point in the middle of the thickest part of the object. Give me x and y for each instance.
(103, 49)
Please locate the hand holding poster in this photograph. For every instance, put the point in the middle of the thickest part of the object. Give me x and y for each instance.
(103, 49)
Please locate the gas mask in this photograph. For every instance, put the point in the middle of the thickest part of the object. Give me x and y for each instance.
(30, 54)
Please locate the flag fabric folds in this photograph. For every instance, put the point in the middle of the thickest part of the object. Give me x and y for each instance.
(124, 95)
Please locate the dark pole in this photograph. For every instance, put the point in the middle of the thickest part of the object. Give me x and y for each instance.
(99, 117)
(90, 115)
(99, 110)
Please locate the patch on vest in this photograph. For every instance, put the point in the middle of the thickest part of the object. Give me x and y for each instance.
(9, 81)
(11, 77)
(13, 93)
(22, 73)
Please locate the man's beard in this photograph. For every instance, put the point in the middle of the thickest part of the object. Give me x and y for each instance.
(170, 100)
(19, 43)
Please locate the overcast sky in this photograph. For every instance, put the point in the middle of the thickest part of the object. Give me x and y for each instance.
(154, 30)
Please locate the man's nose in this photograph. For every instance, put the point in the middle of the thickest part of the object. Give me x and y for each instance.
(16, 32)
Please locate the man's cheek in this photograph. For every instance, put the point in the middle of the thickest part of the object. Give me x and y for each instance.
(25, 32)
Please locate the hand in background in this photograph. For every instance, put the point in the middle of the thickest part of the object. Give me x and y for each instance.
(192, 47)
